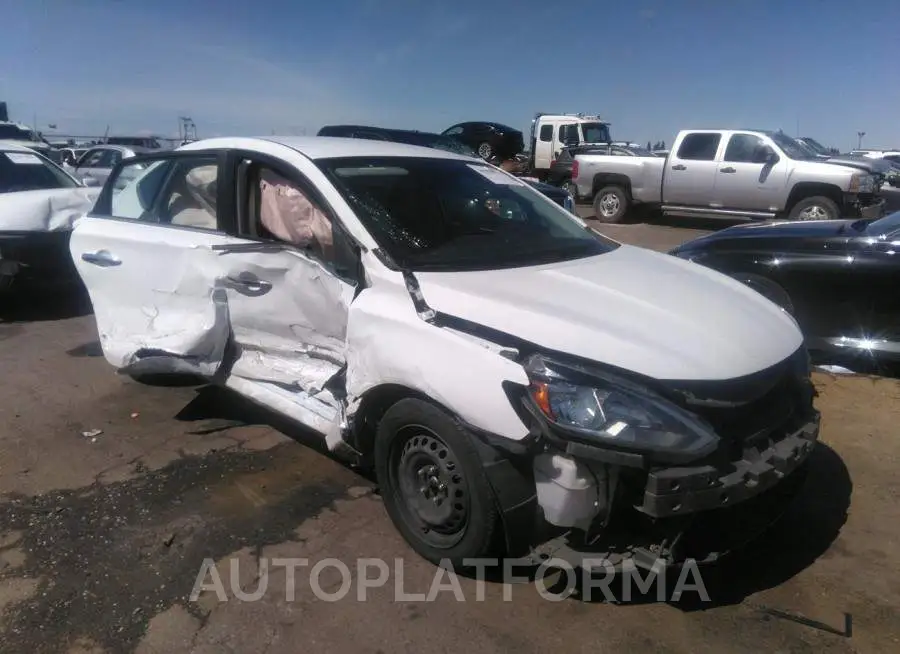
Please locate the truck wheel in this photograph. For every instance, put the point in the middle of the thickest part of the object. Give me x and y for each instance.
(433, 484)
(610, 204)
(817, 207)
(485, 151)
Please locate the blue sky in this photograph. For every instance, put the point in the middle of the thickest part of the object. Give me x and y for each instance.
(649, 67)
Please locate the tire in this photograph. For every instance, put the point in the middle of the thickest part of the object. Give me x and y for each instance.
(817, 207)
(485, 151)
(610, 204)
(570, 188)
(433, 484)
(768, 289)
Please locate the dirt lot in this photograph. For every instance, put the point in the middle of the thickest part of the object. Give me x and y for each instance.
(112, 494)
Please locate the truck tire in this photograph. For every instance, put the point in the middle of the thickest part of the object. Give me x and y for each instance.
(610, 204)
(817, 207)
(433, 484)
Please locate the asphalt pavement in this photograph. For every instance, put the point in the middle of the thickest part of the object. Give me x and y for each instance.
(113, 493)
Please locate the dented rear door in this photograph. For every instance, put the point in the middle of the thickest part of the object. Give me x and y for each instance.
(146, 256)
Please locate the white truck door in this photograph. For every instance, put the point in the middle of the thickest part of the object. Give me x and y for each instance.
(690, 175)
(544, 143)
(747, 178)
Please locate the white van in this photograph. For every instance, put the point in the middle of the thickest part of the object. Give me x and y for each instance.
(510, 374)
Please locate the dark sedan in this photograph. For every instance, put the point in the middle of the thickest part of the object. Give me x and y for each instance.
(838, 278)
(437, 142)
(490, 140)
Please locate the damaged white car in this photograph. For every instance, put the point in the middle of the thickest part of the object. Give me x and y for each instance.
(512, 376)
(39, 202)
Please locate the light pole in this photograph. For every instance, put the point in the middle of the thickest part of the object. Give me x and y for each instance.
(859, 140)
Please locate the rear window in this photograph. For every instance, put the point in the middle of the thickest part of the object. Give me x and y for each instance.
(28, 171)
(699, 146)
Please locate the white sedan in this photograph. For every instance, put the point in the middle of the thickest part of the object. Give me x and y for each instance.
(39, 202)
(498, 363)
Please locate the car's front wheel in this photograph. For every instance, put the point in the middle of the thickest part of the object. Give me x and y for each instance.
(817, 207)
(485, 151)
(433, 484)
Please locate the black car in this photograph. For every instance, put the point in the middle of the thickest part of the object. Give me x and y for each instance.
(561, 168)
(839, 279)
(490, 140)
(438, 142)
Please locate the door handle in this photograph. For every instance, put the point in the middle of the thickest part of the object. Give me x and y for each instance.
(101, 258)
(728, 170)
(249, 284)
(679, 167)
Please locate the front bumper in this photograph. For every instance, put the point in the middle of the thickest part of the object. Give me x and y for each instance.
(865, 206)
(35, 260)
(682, 490)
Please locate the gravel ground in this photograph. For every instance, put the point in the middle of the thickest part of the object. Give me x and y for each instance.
(113, 493)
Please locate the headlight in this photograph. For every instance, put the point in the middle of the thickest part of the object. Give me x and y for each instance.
(616, 412)
(861, 183)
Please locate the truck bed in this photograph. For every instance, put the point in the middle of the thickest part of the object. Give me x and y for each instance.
(643, 174)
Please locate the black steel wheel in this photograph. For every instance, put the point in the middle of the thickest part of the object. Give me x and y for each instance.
(433, 483)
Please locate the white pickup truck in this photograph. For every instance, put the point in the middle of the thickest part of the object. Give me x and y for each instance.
(727, 173)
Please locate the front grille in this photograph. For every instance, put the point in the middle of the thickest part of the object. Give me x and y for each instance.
(783, 408)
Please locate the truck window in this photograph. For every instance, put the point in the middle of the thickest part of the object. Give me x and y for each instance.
(742, 147)
(699, 146)
(547, 133)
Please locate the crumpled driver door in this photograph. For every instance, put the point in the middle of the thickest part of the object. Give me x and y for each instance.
(288, 316)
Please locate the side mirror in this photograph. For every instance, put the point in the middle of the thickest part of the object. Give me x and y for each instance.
(765, 155)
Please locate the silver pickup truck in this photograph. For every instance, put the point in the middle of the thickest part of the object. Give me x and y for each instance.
(727, 173)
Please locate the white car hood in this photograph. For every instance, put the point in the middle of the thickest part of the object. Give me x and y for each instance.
(639, 310)
(46, 211)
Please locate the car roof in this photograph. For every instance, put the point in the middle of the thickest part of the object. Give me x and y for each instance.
(325, 147)
(13, 146)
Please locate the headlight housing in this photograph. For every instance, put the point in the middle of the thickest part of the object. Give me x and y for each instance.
(613, 412)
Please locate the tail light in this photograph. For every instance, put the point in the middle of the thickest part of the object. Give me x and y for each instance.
(575, 169)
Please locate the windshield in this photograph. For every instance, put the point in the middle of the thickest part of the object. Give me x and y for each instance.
(452, 215)
(29, 171)
(595, 132)
(889, 225)
(815, 146)
(790, 147)
(9, 132)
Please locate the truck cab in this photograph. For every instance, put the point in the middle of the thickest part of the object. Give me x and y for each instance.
(550, 133)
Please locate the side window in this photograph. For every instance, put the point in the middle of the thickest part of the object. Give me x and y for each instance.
(743, 148)
(189, 199)
(113, 160)
(454, 131)
(546, 133)
(91, 158)
(281, 208)
(178, 191)
(567, 133)
(365, 134)
(699, 146)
